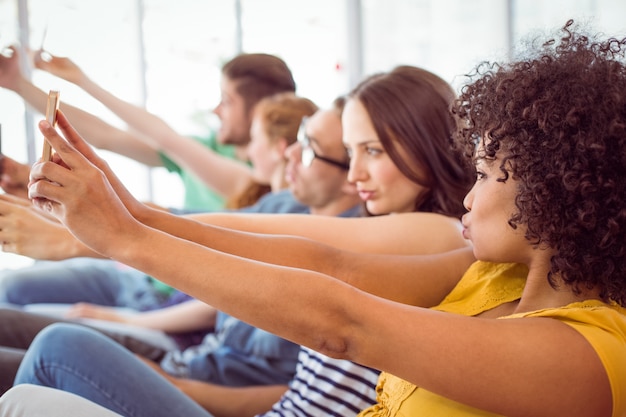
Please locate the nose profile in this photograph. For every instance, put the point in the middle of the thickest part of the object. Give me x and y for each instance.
(468, 200)
(356, 172)
(293, 152)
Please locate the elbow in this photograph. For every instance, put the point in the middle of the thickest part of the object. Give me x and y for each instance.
(334, 347)
(343, 337)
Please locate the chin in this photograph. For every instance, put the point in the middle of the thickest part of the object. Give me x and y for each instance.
(375, 209)
(222, 138)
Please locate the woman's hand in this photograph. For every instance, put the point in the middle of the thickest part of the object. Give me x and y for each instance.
(14, 177)
(26, 231)
(61, 67)
(93, 311)
(79, 189)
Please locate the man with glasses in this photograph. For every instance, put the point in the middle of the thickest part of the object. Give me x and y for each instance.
(308, 153)
(318, 165)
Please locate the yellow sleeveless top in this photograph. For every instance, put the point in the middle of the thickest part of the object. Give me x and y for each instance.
(483, 287)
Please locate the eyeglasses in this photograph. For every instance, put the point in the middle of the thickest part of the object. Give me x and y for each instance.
(308, 154)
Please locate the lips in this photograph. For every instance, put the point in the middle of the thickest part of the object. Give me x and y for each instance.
(290, 172)
(366, 195)
(465, 231)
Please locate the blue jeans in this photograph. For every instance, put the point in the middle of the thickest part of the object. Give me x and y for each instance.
(86, 363)
(96, 281)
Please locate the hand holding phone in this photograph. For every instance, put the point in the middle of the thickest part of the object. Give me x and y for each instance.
(51, 117)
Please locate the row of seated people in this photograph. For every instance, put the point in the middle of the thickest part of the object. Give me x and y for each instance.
(545, 156)
(235, 354)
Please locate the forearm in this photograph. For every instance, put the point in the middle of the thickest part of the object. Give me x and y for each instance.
(226, 176)
(408, 234)
(186, 317)
(242, 287)
(222, 401)
(136, 117)
(67, 246)
(282, 250)
(438, 273)
(84, 122)
(97, 132)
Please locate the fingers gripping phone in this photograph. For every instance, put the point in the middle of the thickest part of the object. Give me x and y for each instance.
(51, 117)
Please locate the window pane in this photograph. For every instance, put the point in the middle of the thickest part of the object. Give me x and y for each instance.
(308, 35)
(536, 15)
(446, 37)
(101, 38)
(185, 47)
(11, 106)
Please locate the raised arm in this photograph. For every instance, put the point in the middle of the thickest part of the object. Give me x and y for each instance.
(226, 176)
(399, 234)
(99, 133)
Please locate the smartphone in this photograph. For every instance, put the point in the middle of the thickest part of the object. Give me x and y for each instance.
(51, 117)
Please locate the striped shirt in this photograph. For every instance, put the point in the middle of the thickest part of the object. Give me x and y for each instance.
(323, 386)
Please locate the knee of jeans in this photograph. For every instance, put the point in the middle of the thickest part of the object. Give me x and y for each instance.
(62, 336)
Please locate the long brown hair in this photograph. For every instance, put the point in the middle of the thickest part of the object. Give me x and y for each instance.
(410, 111)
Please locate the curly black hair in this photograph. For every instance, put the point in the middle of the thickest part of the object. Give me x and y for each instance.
(557, 122)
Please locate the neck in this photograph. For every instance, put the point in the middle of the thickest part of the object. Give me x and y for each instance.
(241, 152)
(539, 294)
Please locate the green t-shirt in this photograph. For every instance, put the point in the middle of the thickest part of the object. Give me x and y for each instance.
(199, 197)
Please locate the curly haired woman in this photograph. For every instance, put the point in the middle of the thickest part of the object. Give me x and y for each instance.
(536, 327)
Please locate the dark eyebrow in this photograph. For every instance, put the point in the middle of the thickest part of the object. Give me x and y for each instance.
(369, 142)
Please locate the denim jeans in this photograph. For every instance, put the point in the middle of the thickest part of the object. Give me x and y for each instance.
(86, 363)
(97, 281)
